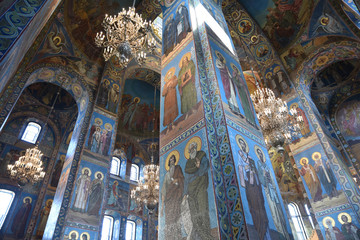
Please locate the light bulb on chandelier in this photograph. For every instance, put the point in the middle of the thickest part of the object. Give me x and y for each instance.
(278, 124)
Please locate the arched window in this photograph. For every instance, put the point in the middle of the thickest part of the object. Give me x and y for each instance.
(115, 166)
(6, 199)
(31, 132)
(107, 227)
(297, 221)
(130, 230)
(134, 172)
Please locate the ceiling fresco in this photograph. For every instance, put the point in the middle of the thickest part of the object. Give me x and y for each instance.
(46, 93)
(282, 21)
(83, 20)
(146, 75)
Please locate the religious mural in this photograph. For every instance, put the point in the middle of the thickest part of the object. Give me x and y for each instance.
(306, 128)
(261, 200)
(177, 28)
(186, 192)
(233, 87)
(108, 96)
(316, 172)
(100, 135)
(348, 120)
(71, 234)
(286, 177)
(88, 194)
(21, 217)
(118, 195)
(44, 215)
(340, 226)
(56, 43)
(324, 21)
(282, 21)
(137, 109)
(180, 95)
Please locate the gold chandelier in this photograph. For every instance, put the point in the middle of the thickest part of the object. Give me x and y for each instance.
(126, 36)
(278, 126)
(28, 168)
(147, 192)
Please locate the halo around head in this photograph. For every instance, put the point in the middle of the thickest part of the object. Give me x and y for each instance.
(316, 156)
(85, 168)
(62, 157)
(237, 137)
(85, 233)
(169, 74)
(344, 214)
(194, 139)
(108, 127)
(296, 105)
(73, 231)
(98, 172)
(98, 121)
(186, 55)
(218, 54)
(27, 198)
(256, 147)
(136, 99)
(304, 159)
(328, 218)
(235, 68)
(177, 157)
(47, 201)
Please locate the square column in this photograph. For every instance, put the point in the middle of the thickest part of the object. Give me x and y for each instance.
(216, 179)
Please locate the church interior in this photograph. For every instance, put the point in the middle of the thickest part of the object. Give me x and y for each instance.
(187, 107)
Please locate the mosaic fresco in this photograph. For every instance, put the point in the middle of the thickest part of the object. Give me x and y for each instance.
(348, 119)
(233, 86)
(21, 216)
(262, 204)
(118, 196)
(137, 109)
(100, 135)
(254, 50)
(109, 94)
(180, 96)
(56, 43)
(187, 200)
(177, 27)
(282, 21)
(88, 194)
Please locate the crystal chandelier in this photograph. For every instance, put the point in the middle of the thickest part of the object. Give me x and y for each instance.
(28, 168)
(126, 36)
(147, 192)
(278, 126)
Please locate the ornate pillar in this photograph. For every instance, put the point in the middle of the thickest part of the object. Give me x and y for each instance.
(216, 179)
(82, 188)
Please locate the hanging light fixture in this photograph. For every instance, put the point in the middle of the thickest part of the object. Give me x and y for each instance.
(29, 168)
(147, 192)
(126, 36)
(278, 126)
